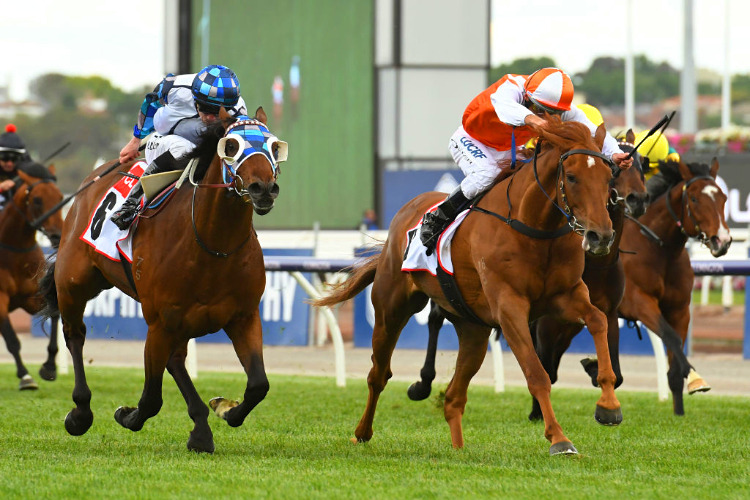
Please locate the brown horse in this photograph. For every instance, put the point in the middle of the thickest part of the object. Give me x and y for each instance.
(603, 275)
(505, 277)
(197, 268)
(659, 277)
(22, 260)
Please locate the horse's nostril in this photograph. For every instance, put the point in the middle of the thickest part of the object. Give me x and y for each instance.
(255, 189)
(274, 190)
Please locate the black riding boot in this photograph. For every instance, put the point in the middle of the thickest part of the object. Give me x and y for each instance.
(435, 222)
(124, 217)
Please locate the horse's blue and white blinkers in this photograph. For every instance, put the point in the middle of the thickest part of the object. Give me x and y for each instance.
(253, 138)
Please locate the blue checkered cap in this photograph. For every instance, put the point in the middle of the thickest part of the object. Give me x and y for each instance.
(216, 85)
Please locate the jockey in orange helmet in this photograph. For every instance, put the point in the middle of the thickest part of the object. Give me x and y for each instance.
(496, 124)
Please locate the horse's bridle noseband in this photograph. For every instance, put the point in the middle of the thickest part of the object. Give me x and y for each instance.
(700, 236)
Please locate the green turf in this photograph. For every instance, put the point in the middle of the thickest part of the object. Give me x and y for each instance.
(715, 297)
(295, 444)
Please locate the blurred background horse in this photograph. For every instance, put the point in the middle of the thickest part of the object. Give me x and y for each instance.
(22, 259)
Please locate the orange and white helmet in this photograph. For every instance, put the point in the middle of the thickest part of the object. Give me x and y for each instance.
(550, 89)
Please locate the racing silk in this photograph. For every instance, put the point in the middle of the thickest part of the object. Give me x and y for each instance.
(170, 109)
(497, 114)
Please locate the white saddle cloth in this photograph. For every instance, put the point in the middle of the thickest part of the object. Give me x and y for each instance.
(417, 260)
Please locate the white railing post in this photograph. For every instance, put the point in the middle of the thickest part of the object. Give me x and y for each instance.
(62, 350)
(191, 360)
(661, 365)
(497, 362)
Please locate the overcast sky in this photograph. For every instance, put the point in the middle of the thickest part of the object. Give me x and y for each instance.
(123, 41)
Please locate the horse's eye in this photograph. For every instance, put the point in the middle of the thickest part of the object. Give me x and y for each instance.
(693, 199)
(570, 178)
(231, 147)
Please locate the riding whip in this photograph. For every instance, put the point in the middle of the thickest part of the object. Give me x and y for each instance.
(57, 152)
(36, 222)
(661, 132)
(663, 122)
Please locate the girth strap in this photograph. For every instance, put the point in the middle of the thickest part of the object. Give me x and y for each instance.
(453, 294)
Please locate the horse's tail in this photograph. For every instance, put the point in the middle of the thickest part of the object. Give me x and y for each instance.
(361, 276)
(48, 292)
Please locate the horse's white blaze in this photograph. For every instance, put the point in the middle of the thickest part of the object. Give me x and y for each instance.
(590, 161)
(711, 191)
(723, 234)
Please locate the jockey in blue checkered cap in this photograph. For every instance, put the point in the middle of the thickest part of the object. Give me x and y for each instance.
(177, 112)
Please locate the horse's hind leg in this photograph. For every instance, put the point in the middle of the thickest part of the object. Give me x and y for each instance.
(48, 371)
(247, 338)
(676, 323)
(472, 348)
(14, 348)
(201, 438)
(421, 389)
(156, 354)
(80, 418)
(393, 308)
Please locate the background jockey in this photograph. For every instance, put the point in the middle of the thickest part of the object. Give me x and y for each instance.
(657, 149)
(178, 110)
(495, 124)
(12, 152)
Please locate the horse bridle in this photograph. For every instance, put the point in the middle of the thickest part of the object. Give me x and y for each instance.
(572, 222)
(33, 224)
(700, 236)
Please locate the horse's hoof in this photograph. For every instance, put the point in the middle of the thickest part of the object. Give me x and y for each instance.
(696, 383)
(27, 384)
(48, 374)
(199, 444)
(76, 423)
(591, 366)
(419, 391)
(221, 406)
(563, 448)
(608, 417)
(354, 440)
(121, 415)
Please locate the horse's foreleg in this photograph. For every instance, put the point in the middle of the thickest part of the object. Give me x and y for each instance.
(201, 438)
(48, 371)
(247, 339)
(421, 389)
(14, 348)
(156, 354)
(551, 340)
(514, 316)
(472, 347)
(575, 307)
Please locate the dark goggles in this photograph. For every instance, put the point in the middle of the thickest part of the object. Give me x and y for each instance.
(209, 109)
(537, 107)
(6, 156)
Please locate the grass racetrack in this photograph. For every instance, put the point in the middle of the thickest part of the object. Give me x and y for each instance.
(295, 444)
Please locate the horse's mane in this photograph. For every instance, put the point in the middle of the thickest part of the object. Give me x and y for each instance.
(566, 134)
(670, 169)
(206, 148)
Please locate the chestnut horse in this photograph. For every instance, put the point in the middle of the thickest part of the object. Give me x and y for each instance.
(603, 275)
(22, 260)
(505, 277)
(659, 277)
(197, 268)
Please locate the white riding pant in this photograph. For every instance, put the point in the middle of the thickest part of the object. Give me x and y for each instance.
(477, 161)
(160, 144)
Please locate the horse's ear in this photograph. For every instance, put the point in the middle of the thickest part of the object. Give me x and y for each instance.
(601, 132)
(685, 171)
(25, 177)
(225, 117)
(630, 136)
(260, 115)
(714, 167)
(51, 169)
